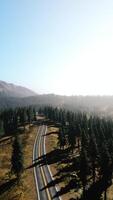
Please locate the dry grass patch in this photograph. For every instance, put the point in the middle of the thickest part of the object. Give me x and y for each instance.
(110, 193)
(9, 189)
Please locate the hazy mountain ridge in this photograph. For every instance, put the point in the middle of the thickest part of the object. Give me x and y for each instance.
(12, 90)
(12, 96)
(95, 104)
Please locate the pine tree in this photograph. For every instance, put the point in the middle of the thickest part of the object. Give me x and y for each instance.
(34, 114)
(23, 116)
(93, 154)
(106, 168)
(61, 138)
(17, 158)
(84, 169)
(71, 137)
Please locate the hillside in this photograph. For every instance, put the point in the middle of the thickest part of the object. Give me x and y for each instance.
(11, 90)
(13, 96)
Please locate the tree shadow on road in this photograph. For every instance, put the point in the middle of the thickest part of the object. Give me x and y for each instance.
(68, 172)
(63, 190)
(59, 157)
(52, 157)
(52, 132)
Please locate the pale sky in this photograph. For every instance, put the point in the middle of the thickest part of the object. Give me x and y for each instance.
(58, 46)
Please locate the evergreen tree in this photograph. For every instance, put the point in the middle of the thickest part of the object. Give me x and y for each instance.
(22, 116)
(34, 114)
(17, 158)
(61, 138)
(93, 154)
(106, 168)
(71, 137)
(84, 169)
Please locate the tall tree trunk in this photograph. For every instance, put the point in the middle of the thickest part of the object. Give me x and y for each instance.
(84, 189)
(93, 165)
(105, 194)
(78, 141)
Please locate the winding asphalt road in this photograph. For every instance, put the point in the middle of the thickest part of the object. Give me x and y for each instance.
(42, 173)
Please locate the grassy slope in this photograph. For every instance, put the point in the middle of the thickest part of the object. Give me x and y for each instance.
(26, 191)
(8, 189)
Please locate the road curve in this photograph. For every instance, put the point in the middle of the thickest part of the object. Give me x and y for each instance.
(42, 173)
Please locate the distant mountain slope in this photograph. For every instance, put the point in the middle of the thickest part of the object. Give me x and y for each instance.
(13, 96)
(11, 90)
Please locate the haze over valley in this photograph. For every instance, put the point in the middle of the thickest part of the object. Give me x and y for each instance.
(56, 100)
(14, 96)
